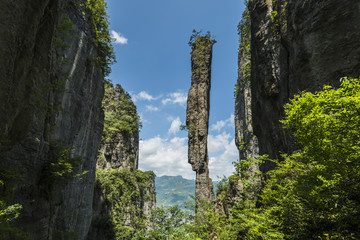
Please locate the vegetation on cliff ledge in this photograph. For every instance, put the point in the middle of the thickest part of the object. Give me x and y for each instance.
(120, 112)
(312, 194)
(126, 191)
(100, 26)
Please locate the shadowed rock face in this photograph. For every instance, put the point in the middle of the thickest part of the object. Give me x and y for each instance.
(307, 45)
(50, 98)
(118, 162)
(197, 117)
(245, 139)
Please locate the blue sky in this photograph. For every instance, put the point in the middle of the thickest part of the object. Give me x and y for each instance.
(153, 65)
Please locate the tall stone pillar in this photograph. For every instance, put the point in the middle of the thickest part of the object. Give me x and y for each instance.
(197, 116)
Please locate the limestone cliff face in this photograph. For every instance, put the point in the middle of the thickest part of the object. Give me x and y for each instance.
(245, 139)
(296, 45)
(124, 196)
(123, 202)
(197, 116)
(50, 114)
(119, 148)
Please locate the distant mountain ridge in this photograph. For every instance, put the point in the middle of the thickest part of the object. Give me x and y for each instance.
(175, 190)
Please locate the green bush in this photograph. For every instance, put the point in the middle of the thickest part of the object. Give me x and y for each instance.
(314, 192)
(124, 190)
(198, 40)
(120, 113)
(100, 26)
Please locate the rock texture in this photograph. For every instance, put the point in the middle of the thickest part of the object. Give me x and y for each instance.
(124, 196)
(296, 45)
(227, 199)
(50, 96)
(245, 139)
(197, 117)
(123, 202)
(120, 148)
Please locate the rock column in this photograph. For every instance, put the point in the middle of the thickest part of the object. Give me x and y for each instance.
(197, 116)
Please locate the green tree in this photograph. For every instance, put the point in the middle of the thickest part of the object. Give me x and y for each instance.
(313, 193)
(120, 112)
(100, 26)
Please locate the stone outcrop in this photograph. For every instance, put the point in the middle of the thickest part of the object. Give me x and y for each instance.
(50, 114)
(120, 147)
(123, 202)
(124, 196)
(296, 45)
(227, 199)
(197, 116)
(245, 139)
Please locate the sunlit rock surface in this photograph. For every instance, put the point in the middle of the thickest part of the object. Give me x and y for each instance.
(197, 117)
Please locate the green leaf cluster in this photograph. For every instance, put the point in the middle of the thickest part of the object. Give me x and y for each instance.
(120, 112)
(60, 168)
(278, 17)
(9, 211)
(173, 223)
(124, 190)
(314, 192)
(170, 223)
(244, 31)
(100, 26)
(198, 40)
(61, 165)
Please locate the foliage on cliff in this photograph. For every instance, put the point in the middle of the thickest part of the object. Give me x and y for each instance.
(244, 49)
(125, 190)
(100, 25)
(120, 112)
(9, 212)
(313, 193)
(197, 39)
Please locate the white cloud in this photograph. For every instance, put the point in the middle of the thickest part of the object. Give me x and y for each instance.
(219, 125)
(175, 98)
(168, 156)
(151, 108)
(118, 38)
(175, 126)
(142, 119)
(220, 165)
(219, 142)
(165, 157)
(143, 95)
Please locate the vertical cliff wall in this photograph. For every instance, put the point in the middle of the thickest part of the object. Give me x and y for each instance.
(245, 139)
(296, 45)
(124, 196)
(51, 89)
(197, 116)
(120, 141)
